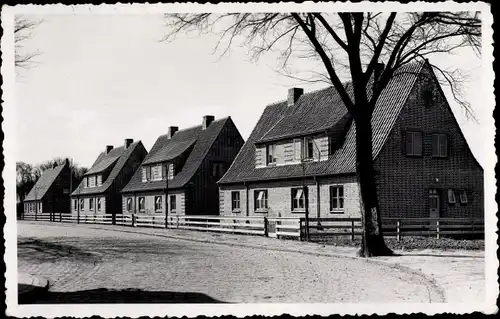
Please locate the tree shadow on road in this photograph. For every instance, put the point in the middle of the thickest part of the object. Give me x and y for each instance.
(104, 295)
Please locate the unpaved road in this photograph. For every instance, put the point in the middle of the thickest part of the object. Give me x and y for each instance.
(91, 265)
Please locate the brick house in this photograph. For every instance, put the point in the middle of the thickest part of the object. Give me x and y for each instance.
(99, 191)
(50, 194)
(424, 167)
(185, 166)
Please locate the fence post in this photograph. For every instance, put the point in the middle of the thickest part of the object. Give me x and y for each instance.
(94, 218)
(437, 229)
(133, 220)
(300, 230)
(398, 231)
(60, 217)
(177, 221)
(266, 227)
(85, 221)
(352, 230)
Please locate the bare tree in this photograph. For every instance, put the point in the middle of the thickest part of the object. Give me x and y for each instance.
(354, 44)
(23, 30)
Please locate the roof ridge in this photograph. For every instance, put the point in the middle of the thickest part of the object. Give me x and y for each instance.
(195, 126)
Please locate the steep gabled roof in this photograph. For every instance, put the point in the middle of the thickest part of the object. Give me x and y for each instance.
(196, 139)
(326, 110)
(44, 182)
(116, 158)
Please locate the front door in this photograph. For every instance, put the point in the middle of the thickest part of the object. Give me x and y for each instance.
(434, 203)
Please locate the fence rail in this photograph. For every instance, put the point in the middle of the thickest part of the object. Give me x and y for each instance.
(294, 227)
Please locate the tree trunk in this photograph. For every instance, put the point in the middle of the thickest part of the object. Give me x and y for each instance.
(373, 241)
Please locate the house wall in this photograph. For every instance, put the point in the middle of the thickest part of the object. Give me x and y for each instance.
(279, 198)
(86, 209)
(202, 198)
(115, 205)
(149, 199)
(404, 182)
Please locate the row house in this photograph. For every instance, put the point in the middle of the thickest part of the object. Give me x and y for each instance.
(302, 152)
(99, 191)
(183, 166)
(50, 194)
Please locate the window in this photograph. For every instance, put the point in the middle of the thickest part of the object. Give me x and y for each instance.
(39, 206)
(148, 173)
(235, 201)
(218, 170)
(156, 171)
(173, 203)
(141, 204)
(91, 204)
(260, 199)
(428, 96)
(75, 204)
(308, 150)
(439, 145)
(158, 203)
(85, 182)
(271, 154)
(463, 196)
(82, 204)
(298, 199)
(336, 198)
(451, 196)
(99, 200)
(414, 143)
(129, 204)
(164, 170)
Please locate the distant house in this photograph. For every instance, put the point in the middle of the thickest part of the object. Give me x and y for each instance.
(50, 194)
(424, 167)
(185, 166)
(99, 191)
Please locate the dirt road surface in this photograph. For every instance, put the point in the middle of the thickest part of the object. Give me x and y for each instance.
(92, 265)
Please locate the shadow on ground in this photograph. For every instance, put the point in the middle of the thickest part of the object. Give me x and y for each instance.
(104, 295)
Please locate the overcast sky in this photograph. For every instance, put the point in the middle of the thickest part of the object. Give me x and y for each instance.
(103, 78)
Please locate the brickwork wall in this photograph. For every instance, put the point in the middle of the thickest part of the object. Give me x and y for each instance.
(279, 198)
(404, 182)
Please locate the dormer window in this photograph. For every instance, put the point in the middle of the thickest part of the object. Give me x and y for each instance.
(308, 148)
(271, 154)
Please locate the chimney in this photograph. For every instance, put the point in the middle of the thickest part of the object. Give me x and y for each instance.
(108, 149)
(54, 165)
(293, 95)
(66, 162)
(128, 141)
(171, 131)
(207, 119)
(379, 68)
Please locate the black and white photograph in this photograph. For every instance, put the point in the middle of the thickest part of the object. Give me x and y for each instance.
(249, 159)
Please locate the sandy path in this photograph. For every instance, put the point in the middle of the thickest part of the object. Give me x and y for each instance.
(118, 260)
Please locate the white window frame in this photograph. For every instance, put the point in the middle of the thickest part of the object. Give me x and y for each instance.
(261, 200)
(271, 154)
(463, 197)
(298, 197)
(451, 196)
(337, 198)
(142, 200)
(82, 204)
(99, 204)
(91, 204)
(305, 148)
(173, 207)
(158, 206)
(128, 204)
(235, 208)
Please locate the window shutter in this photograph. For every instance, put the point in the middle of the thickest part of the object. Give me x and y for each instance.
(164, 171)
(435, 145)
(443, 145)
(417, 139)
(409, 143)
(297, 149)
(144, 178)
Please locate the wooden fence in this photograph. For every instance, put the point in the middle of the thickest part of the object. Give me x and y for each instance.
(280, 227)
